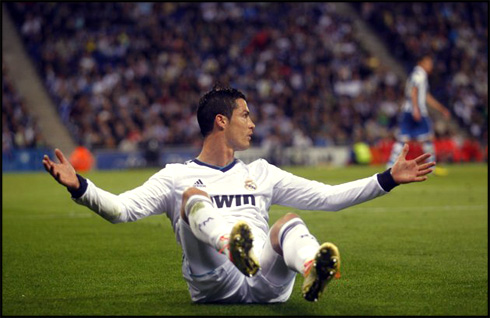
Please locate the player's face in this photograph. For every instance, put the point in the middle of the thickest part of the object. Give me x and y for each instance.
(428, 65)
(240, 128)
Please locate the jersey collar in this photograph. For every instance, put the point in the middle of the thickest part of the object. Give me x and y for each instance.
(222, 169)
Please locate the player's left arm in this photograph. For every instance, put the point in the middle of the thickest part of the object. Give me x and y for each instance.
(298, 192)
(434, 103)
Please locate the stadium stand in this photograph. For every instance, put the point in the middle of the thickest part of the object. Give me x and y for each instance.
(123, 74)
(128, 75)
(19, 127)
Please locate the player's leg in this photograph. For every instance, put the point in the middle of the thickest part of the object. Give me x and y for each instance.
(405, 124)
(210, 227)
(210, 276)
(300, 252)
(395, 152)
(428, 147)
(425, 135)
(198, 211)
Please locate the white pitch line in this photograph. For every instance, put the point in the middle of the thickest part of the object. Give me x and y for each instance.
(52, 216)
(385, 209)
(422, 208)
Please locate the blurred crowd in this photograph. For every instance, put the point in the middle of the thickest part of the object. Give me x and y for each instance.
(129, 75)
(19, 127)
(457, 34)
(125, 75)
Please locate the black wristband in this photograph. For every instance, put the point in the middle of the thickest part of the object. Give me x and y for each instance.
(77, 193)
(386, 180)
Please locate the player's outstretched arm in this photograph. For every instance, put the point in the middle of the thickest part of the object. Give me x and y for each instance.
(416, 170)
(62, 172)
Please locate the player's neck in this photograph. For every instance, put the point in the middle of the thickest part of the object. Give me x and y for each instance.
(216, 153)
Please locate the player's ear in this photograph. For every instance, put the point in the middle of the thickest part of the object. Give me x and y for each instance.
(221, 121)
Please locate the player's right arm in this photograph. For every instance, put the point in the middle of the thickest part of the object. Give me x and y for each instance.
(150, 198)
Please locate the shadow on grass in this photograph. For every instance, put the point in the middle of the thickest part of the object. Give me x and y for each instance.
(289, 308)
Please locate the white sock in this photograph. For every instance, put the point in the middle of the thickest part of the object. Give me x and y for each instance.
(205, 221)
(297, 244)
(428, 147)
(395, 152)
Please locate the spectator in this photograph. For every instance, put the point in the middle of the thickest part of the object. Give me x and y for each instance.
(19, 128)
(132, 63)
(114, 60)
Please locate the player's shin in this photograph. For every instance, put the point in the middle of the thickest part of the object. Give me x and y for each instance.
(318, 263)
(395, 151)
(428, 147)
(297, 244)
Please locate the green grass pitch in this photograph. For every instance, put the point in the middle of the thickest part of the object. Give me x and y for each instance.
(420, 250)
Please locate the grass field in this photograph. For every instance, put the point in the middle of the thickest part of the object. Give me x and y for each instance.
(420, 250)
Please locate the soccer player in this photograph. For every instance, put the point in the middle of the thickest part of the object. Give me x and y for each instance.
(414, 121)
(218, 207)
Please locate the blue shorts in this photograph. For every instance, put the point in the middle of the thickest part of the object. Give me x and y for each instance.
(414, 130)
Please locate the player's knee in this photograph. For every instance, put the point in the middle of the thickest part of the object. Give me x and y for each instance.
(192, 191)
(289, 216)
(276, 229)
(189, 192)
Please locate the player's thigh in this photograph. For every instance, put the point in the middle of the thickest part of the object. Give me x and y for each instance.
(201, 257)
(274, 268)
(424, 130)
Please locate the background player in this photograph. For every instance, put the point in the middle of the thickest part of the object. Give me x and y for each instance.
(218, 207)
(414, 120)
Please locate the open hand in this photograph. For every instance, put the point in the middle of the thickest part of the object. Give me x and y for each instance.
(62, 172)
(416, 170)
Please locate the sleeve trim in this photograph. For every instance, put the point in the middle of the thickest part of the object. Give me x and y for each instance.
(386, 180)
(77, 193)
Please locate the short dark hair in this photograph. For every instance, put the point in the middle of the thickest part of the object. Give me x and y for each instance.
(218, 101)
(423, 55)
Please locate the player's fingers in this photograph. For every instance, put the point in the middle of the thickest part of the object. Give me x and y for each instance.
(404, 152)
(422, 158)
(50, 168)
(427, 165)
(424, 172)
(47, 160)
(46, 165)
(420, 179)
(60, 155)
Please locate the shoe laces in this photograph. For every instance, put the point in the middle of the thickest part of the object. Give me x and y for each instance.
(307, 266)
(224, 242)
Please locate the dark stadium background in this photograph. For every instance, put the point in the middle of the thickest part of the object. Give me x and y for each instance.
(124, 79)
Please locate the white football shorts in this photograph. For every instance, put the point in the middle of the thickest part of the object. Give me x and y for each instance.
(211, 277)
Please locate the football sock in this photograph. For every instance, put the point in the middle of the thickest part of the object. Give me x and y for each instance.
(297, 244)
(428, 147)
(395, 152)
(205, 222)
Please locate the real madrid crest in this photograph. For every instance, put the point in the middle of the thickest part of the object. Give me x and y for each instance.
(250, 185)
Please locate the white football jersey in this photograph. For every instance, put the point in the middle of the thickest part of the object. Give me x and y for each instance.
(418, 78)
(238, 191)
